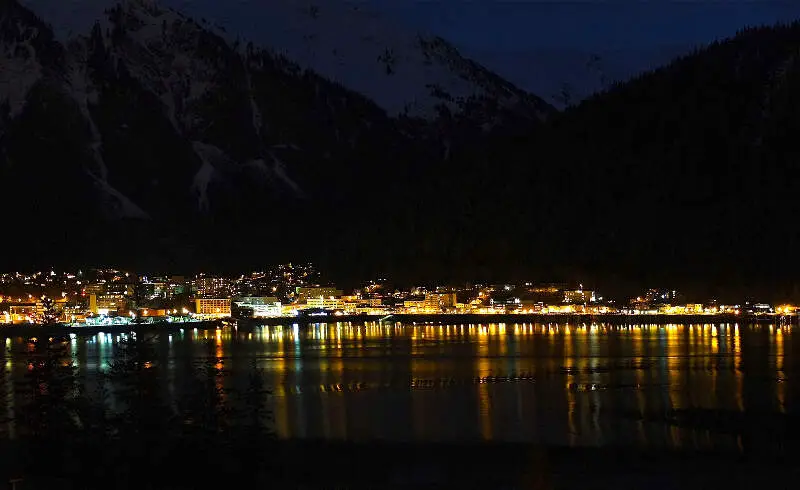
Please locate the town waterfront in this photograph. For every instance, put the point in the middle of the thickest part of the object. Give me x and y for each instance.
(553, 384)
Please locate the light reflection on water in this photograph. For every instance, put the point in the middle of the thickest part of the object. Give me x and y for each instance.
(549, 383)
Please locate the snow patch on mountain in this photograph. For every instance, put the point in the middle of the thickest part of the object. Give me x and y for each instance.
(20, 72)
(84, 93)
(161, 55)
(257, 118)
(279, 168)
(119, 205)
(208, 155)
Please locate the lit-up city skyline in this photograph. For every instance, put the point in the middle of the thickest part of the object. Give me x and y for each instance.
(111, 296)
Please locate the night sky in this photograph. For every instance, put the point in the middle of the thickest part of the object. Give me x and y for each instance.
(537, 45)
(621, 24)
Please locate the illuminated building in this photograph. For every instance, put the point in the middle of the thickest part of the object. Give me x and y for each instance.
(213, 307)
(432, 303)
(261, 307)
(579, 296)
(414, 304)
(552, 288)
(327, 303)
(95, 288)
(362, 305)
(440, 300)
(532, 306)
(104, 304)
(151, 312)
(694, 308)
(316, 292)
(176, 286)
(209, 287)
(119, 288)
(22, 313)
(661, 296)
(758, 308)
(559, 309)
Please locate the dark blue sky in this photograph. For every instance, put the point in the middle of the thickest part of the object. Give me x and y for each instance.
(514, 25)
(587, 25)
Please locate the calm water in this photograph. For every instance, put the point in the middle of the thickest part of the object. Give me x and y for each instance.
(557, 384)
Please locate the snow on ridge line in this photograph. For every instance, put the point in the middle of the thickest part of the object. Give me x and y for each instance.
(128, 208)
(346, 43)
(280, 170)
(211, 157)
(17, 77)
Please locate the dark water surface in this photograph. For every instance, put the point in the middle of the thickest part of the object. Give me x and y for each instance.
(578, 385)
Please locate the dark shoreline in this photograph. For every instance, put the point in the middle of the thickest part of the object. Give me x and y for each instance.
(520, 465)
(328, 464)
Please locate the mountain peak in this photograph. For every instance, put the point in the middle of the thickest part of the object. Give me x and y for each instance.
(403, 71)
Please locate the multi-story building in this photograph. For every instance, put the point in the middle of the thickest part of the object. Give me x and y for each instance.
(439, 301)
(353, 303)
(23, 313)
(154, 290)
(414, 304)
(579, 296)
(694, 308)
(758, 308)
(104, 304)
(432, 303)
(662, 297)
(327, 303)
(95, 288)
(209, 287)
(176, 286)
(305, 293)
(261, 307)
(120, 288)
(213, 307)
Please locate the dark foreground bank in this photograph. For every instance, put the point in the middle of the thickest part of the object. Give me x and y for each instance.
(224, 463)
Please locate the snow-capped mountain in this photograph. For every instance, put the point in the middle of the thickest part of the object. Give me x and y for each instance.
(169, 117)
(403, 71)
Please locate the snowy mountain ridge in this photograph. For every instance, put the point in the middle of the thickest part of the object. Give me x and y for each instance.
(404, 72)
(20, 67)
